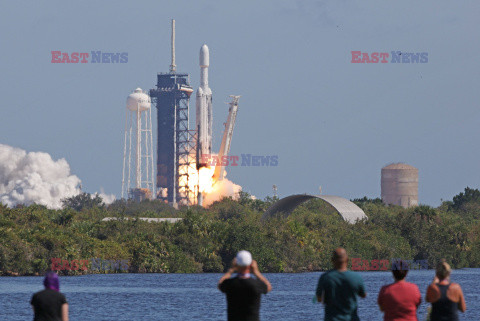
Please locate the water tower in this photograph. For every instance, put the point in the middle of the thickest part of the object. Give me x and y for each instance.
(399, 185)
(137, 178)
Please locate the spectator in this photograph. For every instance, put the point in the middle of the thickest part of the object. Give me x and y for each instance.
(338, 290)
(399, 300)
(244, 292)
(446, 297)
(50, 304)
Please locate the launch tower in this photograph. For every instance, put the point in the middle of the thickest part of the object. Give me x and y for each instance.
(175, 142)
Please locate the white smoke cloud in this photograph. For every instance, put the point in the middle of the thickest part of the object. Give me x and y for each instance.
(221, 189)
(107, 198)
(34, 177)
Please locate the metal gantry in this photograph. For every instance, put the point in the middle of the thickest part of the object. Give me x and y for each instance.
(172, 98)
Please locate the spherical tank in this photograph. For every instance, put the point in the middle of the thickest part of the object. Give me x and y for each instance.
(138, 100)
(399, 184)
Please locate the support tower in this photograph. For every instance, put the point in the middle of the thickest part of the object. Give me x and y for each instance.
(175, 142)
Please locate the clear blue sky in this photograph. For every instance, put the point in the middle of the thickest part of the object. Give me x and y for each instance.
(332, 123)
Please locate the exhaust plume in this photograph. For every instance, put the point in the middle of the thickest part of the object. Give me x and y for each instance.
(221, 189)
(34, 177)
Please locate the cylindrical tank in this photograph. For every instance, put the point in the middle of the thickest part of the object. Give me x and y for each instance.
(138, 99)
(400, 185)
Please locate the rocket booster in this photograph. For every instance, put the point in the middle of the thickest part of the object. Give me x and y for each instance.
(204, 110)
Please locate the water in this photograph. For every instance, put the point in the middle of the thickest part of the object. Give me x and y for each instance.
(127, 297)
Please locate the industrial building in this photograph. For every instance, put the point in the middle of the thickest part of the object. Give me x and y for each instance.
(399, 185)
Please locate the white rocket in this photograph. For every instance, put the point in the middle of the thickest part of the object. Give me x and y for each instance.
(204, 110)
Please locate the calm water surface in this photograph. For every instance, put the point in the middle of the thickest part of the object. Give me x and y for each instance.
(127, 297)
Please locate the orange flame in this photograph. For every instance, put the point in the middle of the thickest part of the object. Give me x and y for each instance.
(201, 181)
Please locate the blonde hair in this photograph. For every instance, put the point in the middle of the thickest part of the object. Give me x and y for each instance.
(443, 270)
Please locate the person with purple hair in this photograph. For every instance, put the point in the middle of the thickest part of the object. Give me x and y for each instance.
(50, 304)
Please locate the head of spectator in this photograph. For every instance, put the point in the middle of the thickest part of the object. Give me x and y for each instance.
(51, 281)
(243, 262)
(401, 271)
(340, 258)
(443, 270)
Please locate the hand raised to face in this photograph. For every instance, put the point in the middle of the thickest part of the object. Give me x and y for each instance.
(254, 267)
(234, 264)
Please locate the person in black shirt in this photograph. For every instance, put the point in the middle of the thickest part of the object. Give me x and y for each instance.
(50, 304)
(244, 292)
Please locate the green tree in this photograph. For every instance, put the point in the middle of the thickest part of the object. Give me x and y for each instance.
(83, 201)
(469, 195)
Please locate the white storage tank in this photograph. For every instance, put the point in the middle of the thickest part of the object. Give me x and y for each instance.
(138, 100)
(399, 185)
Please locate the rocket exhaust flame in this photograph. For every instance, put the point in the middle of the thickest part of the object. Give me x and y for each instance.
(201, 182)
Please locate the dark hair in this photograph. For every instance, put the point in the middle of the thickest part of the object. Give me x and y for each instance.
(401, 272)
(339, 255)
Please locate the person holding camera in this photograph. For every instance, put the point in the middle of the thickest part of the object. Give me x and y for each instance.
(243, 291)
(445, 296)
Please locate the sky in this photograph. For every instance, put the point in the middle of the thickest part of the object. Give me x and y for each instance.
(332, 123)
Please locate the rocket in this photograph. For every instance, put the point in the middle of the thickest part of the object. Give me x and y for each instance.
(204, 111)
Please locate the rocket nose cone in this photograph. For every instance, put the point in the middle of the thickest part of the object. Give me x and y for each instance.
(204, 56)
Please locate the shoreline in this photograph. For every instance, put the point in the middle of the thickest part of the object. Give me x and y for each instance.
(36, 274)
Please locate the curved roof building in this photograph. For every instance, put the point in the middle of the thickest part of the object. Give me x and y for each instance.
(348, 210)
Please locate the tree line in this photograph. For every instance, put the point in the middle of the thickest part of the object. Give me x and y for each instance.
(206, 240)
